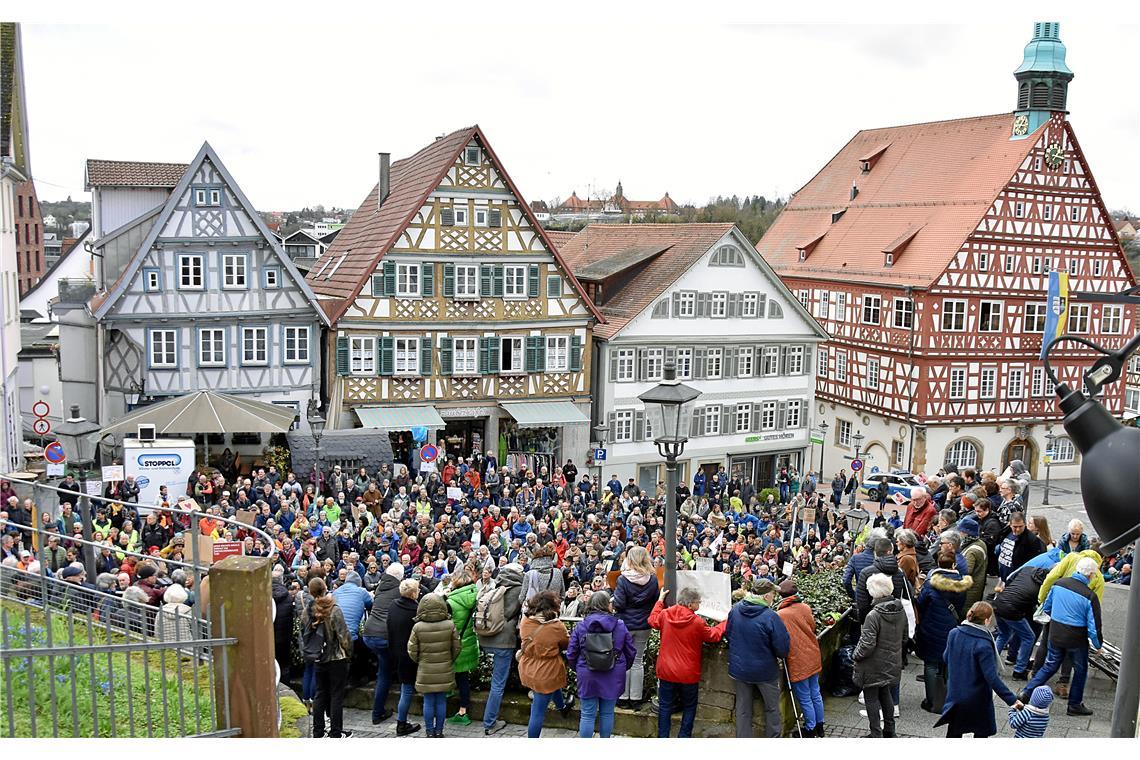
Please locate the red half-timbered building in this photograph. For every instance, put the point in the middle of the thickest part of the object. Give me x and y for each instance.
(925, 251)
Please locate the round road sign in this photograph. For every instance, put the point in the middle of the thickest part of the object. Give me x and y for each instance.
(54, 453)
(41, 409)
(428, 453)
(41, 426)
(856, 465)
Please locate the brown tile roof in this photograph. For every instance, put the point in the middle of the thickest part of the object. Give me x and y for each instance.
(683, 245)
(560, 237)
(102, 173)
(938, 178)
(371, 232)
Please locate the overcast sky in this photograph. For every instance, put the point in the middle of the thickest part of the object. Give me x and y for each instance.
(299, 112)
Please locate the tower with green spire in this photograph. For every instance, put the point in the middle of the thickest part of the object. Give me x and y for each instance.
(1042, 79)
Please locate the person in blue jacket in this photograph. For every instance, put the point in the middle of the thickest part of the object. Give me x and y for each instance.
(939, 612)
(699, 483)
(860, 561)
(615, 486)
(972, 677)
(756, 638)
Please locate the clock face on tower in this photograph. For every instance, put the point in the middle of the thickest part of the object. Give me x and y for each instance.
(1054, 154)
(1020, 125)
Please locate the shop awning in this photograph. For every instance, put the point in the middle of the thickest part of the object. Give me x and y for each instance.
(398, 417)
(545, 413)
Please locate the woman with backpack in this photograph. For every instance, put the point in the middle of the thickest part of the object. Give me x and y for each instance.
(433, 646)
(328, 645)
(541, 668)
(601, 650)
(634, 597)
(939, 611)
(461, 599)
(497, 610)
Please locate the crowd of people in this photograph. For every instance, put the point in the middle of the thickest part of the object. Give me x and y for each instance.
(419, 572)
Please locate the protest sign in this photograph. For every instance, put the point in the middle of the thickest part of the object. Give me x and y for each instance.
(93, 488)
(704, 564)
(245, 516)
(715, 590)
(454, 494)
(112, 473)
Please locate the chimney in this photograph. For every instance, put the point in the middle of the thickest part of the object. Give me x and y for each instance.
(854, 191)
(385, 179)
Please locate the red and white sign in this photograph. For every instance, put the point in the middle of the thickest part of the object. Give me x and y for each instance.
(41, 426)
(41, 409)
(223, 549)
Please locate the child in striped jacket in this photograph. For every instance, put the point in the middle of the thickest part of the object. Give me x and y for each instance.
(1031, 721)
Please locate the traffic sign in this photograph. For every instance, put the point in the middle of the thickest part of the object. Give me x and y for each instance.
(599, 455)
(856, 465)
(816, 438)
(41, 426)
(41, 409)
(54, 453)
(875, 470)
(429, 453)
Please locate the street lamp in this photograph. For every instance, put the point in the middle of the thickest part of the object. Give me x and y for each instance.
(669, 407)
(857, 440)
(135, 393)
(1050, 439)
(317, 428)
(822, 449)
(73, 434)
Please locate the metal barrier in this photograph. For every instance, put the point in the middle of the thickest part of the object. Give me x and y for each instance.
(85, 661)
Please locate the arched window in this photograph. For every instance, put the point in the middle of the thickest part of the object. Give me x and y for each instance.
(727, 256)
(1023, 96)
(963, 454)
(775, 311)
(1040, 97)
(661, 309)
(1064, 452)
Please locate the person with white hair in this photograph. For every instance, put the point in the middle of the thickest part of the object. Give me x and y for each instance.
(1074, 540)
(879, 654)
(921, 512)
(1074, 611)
(175, 621)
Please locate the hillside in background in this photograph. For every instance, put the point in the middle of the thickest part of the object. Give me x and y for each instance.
(753, 215)
(66, 212)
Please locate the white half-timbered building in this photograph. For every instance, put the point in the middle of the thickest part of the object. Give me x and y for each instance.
(925, 251)
(697, 295)
(204, 297)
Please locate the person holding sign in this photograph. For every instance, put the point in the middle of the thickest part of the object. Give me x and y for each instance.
(683, 634)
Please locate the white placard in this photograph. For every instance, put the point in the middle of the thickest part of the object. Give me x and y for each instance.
(113, 473)
(94, 488)
(715, 590)
(704, 564)
(455, 494)
(54, 470)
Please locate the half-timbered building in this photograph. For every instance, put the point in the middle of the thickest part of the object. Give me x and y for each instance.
(700, 297)
(925, 251)
(200, 295)
(453, 311)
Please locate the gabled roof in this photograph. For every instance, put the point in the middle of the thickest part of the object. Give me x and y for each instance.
(621, 261)
(941, 176)
(101, 173)
(560, 237)
(680, 245)
(102, 303)
(306, 233)
(370, 232)
(13, 108)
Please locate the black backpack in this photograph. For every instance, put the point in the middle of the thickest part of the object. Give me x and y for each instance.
(599, 649)
(314, 641)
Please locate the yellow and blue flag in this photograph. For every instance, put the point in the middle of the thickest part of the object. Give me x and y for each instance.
(1057, 310)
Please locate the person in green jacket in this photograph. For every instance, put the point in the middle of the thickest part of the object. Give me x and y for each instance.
(433, 646)
(461, 598)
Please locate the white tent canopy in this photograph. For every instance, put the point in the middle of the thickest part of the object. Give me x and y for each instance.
(206, 412)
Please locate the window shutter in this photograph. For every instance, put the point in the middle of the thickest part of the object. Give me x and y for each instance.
(703, 302)
(495, 218)
(448, 280)
(756, 417)
(611, 423)
(484, 356)
(389, 278)
(671, 354)
(386, 348)
(783, 365)
(699, 364)
(575, 353)
(486, 280)
(540, 361)
(642, 364)
(342, 363)
(639, 426)
(427, 279)
(676, 303)
(532, 280)
(729, 368)
(532, 342)
(445, 356)
(493, 347)
(761, 305)
(497, 282)
(613, 366)
(726, 424)
(781, 414)
(447, 217)
(733, 304)
(697, 426)
(807, 360)
(553, 286)
(425, 354)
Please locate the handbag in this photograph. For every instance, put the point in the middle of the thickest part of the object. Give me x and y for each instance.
(908, 608)
(1040, 615)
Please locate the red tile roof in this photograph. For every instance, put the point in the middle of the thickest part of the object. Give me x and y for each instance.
(560, 237)
(370, 232)
(938, 178)
(102, 173)
(624, 300)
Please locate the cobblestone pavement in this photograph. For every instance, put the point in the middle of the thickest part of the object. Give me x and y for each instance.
(360, 723)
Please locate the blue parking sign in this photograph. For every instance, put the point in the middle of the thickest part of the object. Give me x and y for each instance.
(599, 455)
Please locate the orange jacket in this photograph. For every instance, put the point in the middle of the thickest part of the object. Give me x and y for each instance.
(803, 654)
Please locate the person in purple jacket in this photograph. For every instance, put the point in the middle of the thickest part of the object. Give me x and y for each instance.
(601, 651)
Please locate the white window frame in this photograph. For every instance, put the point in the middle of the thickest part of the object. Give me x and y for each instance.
(687, 304)
(1015, 383)
(903, 313)
(768, 415)
(1038, 388)
(992, 305)
(962, 453)
(745, 361)
(260, 353)
(1112, 319)
(841, 306)
(1036, 313)
(1098, 267)
(873, 373)
(1132, 400)
(841, 366)
(804, 296)
(898, 451)
(823, 305)
(793, 413)
(987, 383)
(743, 417)
(557, 353)
(152, 280)
(821, 363)
(843, 431)
(295, 344)
(481, 215)
(957, 388)
(460, 213)
(872, 310)
(514, 281)
(272, 277)
(164, 345)
(625, 365)
(712, 419)
(794, 356)
(517, 354)
(235, 271)
(1019, 209)
(196, 261)
(468, 276)
(718, 305)
(465, 356)
(959, 311)
(1074, 266)
(468, 152)
(362, 355)
(770, 361)
(654, 364)
(623, 425)
(1064, 451)
(983, 261)
(408, 280)
(1078, 321)
(1009, 263)
(684, 361)
(749, 305)
(711, 355)
(1047, 212)
(406, 356)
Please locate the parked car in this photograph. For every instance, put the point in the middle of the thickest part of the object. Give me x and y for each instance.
(894, 482)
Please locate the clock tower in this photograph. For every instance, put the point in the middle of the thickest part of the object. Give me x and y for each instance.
(1042, 80)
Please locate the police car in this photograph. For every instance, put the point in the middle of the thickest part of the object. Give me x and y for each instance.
(894, 482)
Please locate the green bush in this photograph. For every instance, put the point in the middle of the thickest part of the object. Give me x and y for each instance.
(766, 492)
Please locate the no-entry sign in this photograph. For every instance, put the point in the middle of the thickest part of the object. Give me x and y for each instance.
(856, 465)
(54, 453)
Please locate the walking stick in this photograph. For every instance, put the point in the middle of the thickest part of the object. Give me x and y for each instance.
(795, 706)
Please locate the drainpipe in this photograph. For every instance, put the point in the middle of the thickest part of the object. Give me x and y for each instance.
(909, 291)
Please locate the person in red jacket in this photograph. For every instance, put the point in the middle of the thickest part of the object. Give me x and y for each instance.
(679, 658)
(920, 513)
(492, 521)
(804, 662)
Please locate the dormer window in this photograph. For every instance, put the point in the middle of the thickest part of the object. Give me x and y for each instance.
(896, 246)
(472, 156)
(889, 260)
(867, 162)
(803, 255)
(207, 196)
(866, 166)
(837, 215)
(805, 248)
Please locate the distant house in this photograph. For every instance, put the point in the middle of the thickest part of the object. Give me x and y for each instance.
(1125, 229)
(304, 247)
(50, 222)
(613, 208)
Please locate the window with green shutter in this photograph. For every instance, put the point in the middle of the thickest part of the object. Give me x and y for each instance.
(389, 278)
(484, 356)
(535, 355)
(447, 217)
(427, 277)
(553, 286)
(575, 353)
(425, 354)
(386, 347)
(448, 280)
(445, 356)
(497, 283)
(486, 280)
(532, 280)
(495, 218)
(342, 366)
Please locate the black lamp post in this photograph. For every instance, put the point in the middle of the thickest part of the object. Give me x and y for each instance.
(73, 434)
(600, 433)
(857, 440)
(1050, 441)
(317, 428)
(669, 407)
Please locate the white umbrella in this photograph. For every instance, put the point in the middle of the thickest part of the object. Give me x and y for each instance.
(206, 412)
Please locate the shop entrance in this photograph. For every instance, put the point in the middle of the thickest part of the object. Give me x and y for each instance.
(461, 438)
(530, 448)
